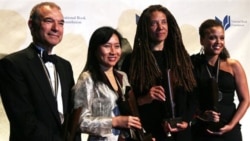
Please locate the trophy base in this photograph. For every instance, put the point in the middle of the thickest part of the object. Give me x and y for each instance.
(139, 135)
(215, 126)
(146, 137)
(212, 126)
(173, 121)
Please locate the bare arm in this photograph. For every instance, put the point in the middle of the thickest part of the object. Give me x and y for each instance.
(126, 122)
(242, 93)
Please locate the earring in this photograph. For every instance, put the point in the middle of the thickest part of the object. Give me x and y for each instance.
(202, 50)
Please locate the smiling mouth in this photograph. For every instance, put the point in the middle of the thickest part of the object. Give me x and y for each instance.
(217, 47)
(53, 35)
(112, 58)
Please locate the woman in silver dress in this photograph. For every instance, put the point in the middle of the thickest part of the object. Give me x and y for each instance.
(98, 88)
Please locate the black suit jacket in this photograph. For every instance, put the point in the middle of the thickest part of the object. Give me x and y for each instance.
(28, 98)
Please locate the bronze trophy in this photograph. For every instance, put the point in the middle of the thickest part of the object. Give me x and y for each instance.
(128, 106)
(214, 94)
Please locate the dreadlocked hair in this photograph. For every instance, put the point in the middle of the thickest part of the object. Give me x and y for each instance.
(144, 71)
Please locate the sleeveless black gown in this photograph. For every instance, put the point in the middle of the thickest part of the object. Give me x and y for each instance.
(226, 106)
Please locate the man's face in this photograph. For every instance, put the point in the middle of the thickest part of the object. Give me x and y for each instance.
(48, 31)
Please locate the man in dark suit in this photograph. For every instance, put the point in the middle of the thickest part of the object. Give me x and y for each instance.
(36, 92)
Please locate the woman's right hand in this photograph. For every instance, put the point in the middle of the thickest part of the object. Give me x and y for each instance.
(179, 127)
(126, 122)
(210, 115)
(155, 93)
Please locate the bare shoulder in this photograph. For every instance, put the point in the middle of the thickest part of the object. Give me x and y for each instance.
(235, 65)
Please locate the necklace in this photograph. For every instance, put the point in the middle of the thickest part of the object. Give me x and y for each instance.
(216, 77)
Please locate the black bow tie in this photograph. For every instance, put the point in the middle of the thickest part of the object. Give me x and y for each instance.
(45, 56)
(48, 58)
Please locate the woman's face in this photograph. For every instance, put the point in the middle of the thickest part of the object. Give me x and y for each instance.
(213, 41)
(158, 26)
(110, 52)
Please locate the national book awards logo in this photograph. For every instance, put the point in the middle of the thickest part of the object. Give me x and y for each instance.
(228, 22)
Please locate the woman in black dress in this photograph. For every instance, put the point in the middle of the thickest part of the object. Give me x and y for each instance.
(218, 77)
(158, 47)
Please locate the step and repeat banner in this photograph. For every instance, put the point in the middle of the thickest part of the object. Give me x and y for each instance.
(82, 17)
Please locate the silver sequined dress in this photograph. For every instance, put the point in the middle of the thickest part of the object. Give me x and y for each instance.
(99, 106)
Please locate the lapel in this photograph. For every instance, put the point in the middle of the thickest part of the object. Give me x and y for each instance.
(63, 80)
(38, 72)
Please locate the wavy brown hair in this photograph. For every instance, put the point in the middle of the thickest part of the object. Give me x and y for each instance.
(207, 24)
(144, 71)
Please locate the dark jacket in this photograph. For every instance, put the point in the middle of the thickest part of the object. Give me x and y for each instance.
(28, 98)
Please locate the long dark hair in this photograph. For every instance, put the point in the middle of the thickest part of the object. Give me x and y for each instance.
(207, 24)
(144, 71)
(98, 38)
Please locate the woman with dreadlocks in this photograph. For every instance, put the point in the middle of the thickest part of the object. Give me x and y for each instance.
(158, 47)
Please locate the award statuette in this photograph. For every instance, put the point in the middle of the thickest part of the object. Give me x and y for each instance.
(128, 106)
(173, 120)
(212, 96)
(213, 101)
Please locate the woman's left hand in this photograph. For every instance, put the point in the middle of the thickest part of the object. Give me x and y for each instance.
(222, 131)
